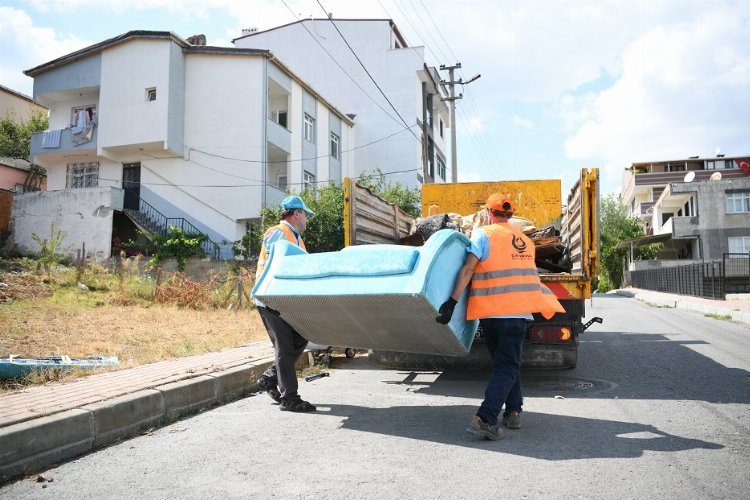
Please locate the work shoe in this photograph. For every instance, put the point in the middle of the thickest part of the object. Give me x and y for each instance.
(270, 388)
(512, 420)
(297, 405)
(481, 429)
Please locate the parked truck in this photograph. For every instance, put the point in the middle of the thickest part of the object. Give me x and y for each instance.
(550, 343)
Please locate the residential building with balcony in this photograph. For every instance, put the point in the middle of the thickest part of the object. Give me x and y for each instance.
(366, 68)
(160, 130)
(699, 208)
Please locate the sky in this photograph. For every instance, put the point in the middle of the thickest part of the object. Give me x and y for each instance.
(564, 84)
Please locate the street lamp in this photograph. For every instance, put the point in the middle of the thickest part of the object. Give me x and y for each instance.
(452, 83)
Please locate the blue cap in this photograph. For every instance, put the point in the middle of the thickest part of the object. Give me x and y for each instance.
(295, 202)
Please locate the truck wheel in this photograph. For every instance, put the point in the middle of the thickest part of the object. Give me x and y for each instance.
(350, 352)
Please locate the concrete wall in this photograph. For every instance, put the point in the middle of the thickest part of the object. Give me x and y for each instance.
(126, 116)
(713, 225)
(395, 70)
(83, 216)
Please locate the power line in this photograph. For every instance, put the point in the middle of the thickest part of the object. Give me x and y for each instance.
(339, 65)
(368, 72)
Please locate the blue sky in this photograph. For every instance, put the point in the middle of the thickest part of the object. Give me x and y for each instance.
(565, 83)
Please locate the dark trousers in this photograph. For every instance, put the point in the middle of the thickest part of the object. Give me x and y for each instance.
(505, 339)
(288, 345)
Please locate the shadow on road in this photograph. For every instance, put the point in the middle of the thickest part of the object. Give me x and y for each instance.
(544, 436)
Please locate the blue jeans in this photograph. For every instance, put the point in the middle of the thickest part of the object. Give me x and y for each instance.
(504, 339)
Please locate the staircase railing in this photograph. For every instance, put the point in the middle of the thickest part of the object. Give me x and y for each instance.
(157, 223)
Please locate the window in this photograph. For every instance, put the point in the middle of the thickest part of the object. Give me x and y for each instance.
(738, 202)
(441, 167)
(334, 146)
(279, 117)
(151, 94)
(430, 158)
(82, 175)
(728, 164)
(308, 180)
(441, 127)
(90, 111)
(739, 244)
(309, 131)
(675, 168)
(281, 182)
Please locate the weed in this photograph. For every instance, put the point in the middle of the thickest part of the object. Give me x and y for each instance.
(722, 317)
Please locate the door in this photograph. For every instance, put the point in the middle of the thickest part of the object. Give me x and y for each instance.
(131, 184)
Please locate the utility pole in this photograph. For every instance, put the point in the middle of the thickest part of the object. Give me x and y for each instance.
(451, 82)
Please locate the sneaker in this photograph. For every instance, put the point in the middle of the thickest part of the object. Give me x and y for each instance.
(296, 405)
(270, 388)
(479, 428)
(512, 420)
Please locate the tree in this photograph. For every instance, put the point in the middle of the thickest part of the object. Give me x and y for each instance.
(617, 224)
(15, 138)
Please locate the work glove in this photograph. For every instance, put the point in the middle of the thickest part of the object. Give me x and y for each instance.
(446, 311)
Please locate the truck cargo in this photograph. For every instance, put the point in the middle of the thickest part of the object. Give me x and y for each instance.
(567, 261)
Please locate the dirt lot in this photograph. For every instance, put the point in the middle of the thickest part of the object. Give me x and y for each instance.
(130, 316)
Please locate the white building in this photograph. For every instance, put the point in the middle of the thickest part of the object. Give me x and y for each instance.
(377, 74)
(195, 135)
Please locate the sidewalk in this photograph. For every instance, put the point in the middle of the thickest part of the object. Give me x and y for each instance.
(737, 305)
(49, 424)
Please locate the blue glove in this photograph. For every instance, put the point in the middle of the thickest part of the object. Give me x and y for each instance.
(446, 311)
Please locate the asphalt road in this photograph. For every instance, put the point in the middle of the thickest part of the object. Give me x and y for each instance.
(658, 407)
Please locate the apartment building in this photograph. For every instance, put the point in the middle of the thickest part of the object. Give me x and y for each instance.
(699, 208)
(150, 129)
(367, 69)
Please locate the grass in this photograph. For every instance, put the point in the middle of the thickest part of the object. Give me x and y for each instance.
(127, 313)
(722, 317)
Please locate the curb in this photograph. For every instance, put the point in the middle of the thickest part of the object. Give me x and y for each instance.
(739, 316)
(30, 446)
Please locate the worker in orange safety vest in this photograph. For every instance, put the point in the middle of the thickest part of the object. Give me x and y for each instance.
(505, 291)
(280, 379)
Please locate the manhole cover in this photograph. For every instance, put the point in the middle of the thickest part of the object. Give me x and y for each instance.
(558, 384)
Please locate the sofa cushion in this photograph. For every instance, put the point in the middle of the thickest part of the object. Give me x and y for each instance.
(365, 260)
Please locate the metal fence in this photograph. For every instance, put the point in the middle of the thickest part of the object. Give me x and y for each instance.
(711, 280)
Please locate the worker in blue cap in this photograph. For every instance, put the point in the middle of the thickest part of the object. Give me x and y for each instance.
(280, 379)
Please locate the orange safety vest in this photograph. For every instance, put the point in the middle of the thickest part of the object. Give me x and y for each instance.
(507, 283)
(288, 235)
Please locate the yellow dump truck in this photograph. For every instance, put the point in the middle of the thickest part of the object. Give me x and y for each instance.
(550, 343)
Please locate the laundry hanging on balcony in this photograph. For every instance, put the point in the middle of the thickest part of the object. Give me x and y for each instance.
(83, 130)
(51, 138)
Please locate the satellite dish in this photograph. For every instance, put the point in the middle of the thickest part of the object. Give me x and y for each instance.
(716, 176)
(689, 177)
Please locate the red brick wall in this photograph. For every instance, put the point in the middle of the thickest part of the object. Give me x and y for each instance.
(6, 203)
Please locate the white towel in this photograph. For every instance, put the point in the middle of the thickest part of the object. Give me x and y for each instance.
(51, 138)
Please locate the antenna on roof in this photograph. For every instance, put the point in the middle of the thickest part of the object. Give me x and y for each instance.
(717, 150)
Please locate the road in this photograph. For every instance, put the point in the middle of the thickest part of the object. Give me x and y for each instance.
(657, 407)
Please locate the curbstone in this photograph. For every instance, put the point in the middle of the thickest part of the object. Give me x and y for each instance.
(35, 444)
(238, 381)
(124, 416)
(188, 396)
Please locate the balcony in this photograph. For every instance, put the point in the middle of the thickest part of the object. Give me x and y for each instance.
(684, 227)
(664, 178)
(67, 144)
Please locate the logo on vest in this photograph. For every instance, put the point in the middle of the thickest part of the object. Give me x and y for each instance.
(519, 244)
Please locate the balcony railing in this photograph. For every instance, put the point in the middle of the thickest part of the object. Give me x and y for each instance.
(66, 144)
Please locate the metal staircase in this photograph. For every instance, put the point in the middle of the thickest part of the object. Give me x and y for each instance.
(150, 220)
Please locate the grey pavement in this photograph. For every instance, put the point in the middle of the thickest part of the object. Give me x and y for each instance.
(45, 425)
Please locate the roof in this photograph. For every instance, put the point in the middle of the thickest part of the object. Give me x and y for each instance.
(18, 163)
(693, 159)
(140, 34)
(390, 21)
(643, 240)
(20, 96)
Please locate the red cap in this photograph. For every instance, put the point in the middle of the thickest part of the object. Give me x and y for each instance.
(500, 202)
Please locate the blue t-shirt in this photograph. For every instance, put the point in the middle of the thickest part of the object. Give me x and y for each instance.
(480, 247)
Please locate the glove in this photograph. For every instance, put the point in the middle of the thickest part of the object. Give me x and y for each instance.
(446, 311)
